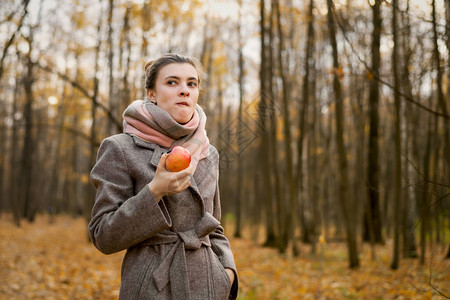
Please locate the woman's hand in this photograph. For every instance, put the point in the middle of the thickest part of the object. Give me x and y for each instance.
(169, 183)
(230, 274)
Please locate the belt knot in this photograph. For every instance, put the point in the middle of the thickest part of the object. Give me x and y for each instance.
(190, 240)
(173, 267)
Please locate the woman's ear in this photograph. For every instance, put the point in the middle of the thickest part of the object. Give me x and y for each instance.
(151, 96)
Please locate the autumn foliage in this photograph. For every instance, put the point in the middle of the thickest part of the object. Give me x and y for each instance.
(52, 259)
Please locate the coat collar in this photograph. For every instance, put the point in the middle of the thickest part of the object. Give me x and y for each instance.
(157, 150)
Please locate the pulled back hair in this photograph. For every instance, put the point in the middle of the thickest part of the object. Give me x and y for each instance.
(153, 67)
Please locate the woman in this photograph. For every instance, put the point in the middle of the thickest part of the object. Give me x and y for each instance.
(167, 221)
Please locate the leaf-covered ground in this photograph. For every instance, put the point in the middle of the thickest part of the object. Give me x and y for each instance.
(53, 260)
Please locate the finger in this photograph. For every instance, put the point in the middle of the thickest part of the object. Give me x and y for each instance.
(162, 161)
(161, 168)
(182, 174)
(183, 183)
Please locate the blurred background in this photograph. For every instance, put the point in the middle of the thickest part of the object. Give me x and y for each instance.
(332, 118)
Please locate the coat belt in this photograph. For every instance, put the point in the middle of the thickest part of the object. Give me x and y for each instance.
(173, 266)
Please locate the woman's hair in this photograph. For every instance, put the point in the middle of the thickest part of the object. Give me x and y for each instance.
(153, 67)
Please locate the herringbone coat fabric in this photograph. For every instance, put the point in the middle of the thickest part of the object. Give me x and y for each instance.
(176, 248)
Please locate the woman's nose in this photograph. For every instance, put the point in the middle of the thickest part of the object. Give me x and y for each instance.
(184, 92)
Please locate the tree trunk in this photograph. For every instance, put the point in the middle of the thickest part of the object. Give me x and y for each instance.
(314, 177)
(146, 20)
(89, 199)
(273, 142)
(226, 178)
(239, 198)
(409, 240)
(440, 90)
(373, 232)
(125, 56)
(3, 177)
(26, 170)
(423, 200)
(206, 58)
(343, 169)
(291, 220)
(447, 33)
(298, 178)
(398, 145)
(266, 190)
(359, 118)
(113, 107)
(14, 172)
(326, 131)
(442, 100)
(55, 165)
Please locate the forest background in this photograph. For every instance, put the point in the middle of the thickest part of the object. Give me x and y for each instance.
(331, 117)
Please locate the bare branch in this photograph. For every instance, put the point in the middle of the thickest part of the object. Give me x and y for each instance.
(11, 39)
(69, 129)
(416, 168)
(366, 66)
(82, 89)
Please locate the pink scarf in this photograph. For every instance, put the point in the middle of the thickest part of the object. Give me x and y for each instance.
(153, 124)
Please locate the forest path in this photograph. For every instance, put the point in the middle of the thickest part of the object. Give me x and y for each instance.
(53, 260)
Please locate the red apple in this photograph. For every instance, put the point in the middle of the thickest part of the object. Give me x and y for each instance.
(178, 159)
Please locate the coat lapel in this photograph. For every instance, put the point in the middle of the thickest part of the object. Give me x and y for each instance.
(195, 191)
(157, 150)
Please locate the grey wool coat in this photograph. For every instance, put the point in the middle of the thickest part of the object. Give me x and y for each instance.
(175, 248)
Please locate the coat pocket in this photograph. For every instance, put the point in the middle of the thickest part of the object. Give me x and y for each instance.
(221, 284)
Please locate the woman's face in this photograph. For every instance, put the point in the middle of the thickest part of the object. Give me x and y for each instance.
(176, 91)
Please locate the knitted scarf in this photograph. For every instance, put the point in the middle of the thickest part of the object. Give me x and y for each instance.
(151, 123)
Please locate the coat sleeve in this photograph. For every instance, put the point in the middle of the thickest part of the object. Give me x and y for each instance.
(220, 244)
(120, 218)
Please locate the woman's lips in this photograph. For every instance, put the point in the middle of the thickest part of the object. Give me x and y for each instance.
(183, 103)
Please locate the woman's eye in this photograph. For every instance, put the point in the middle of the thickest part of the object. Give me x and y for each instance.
(171, 82)
(192, 84)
